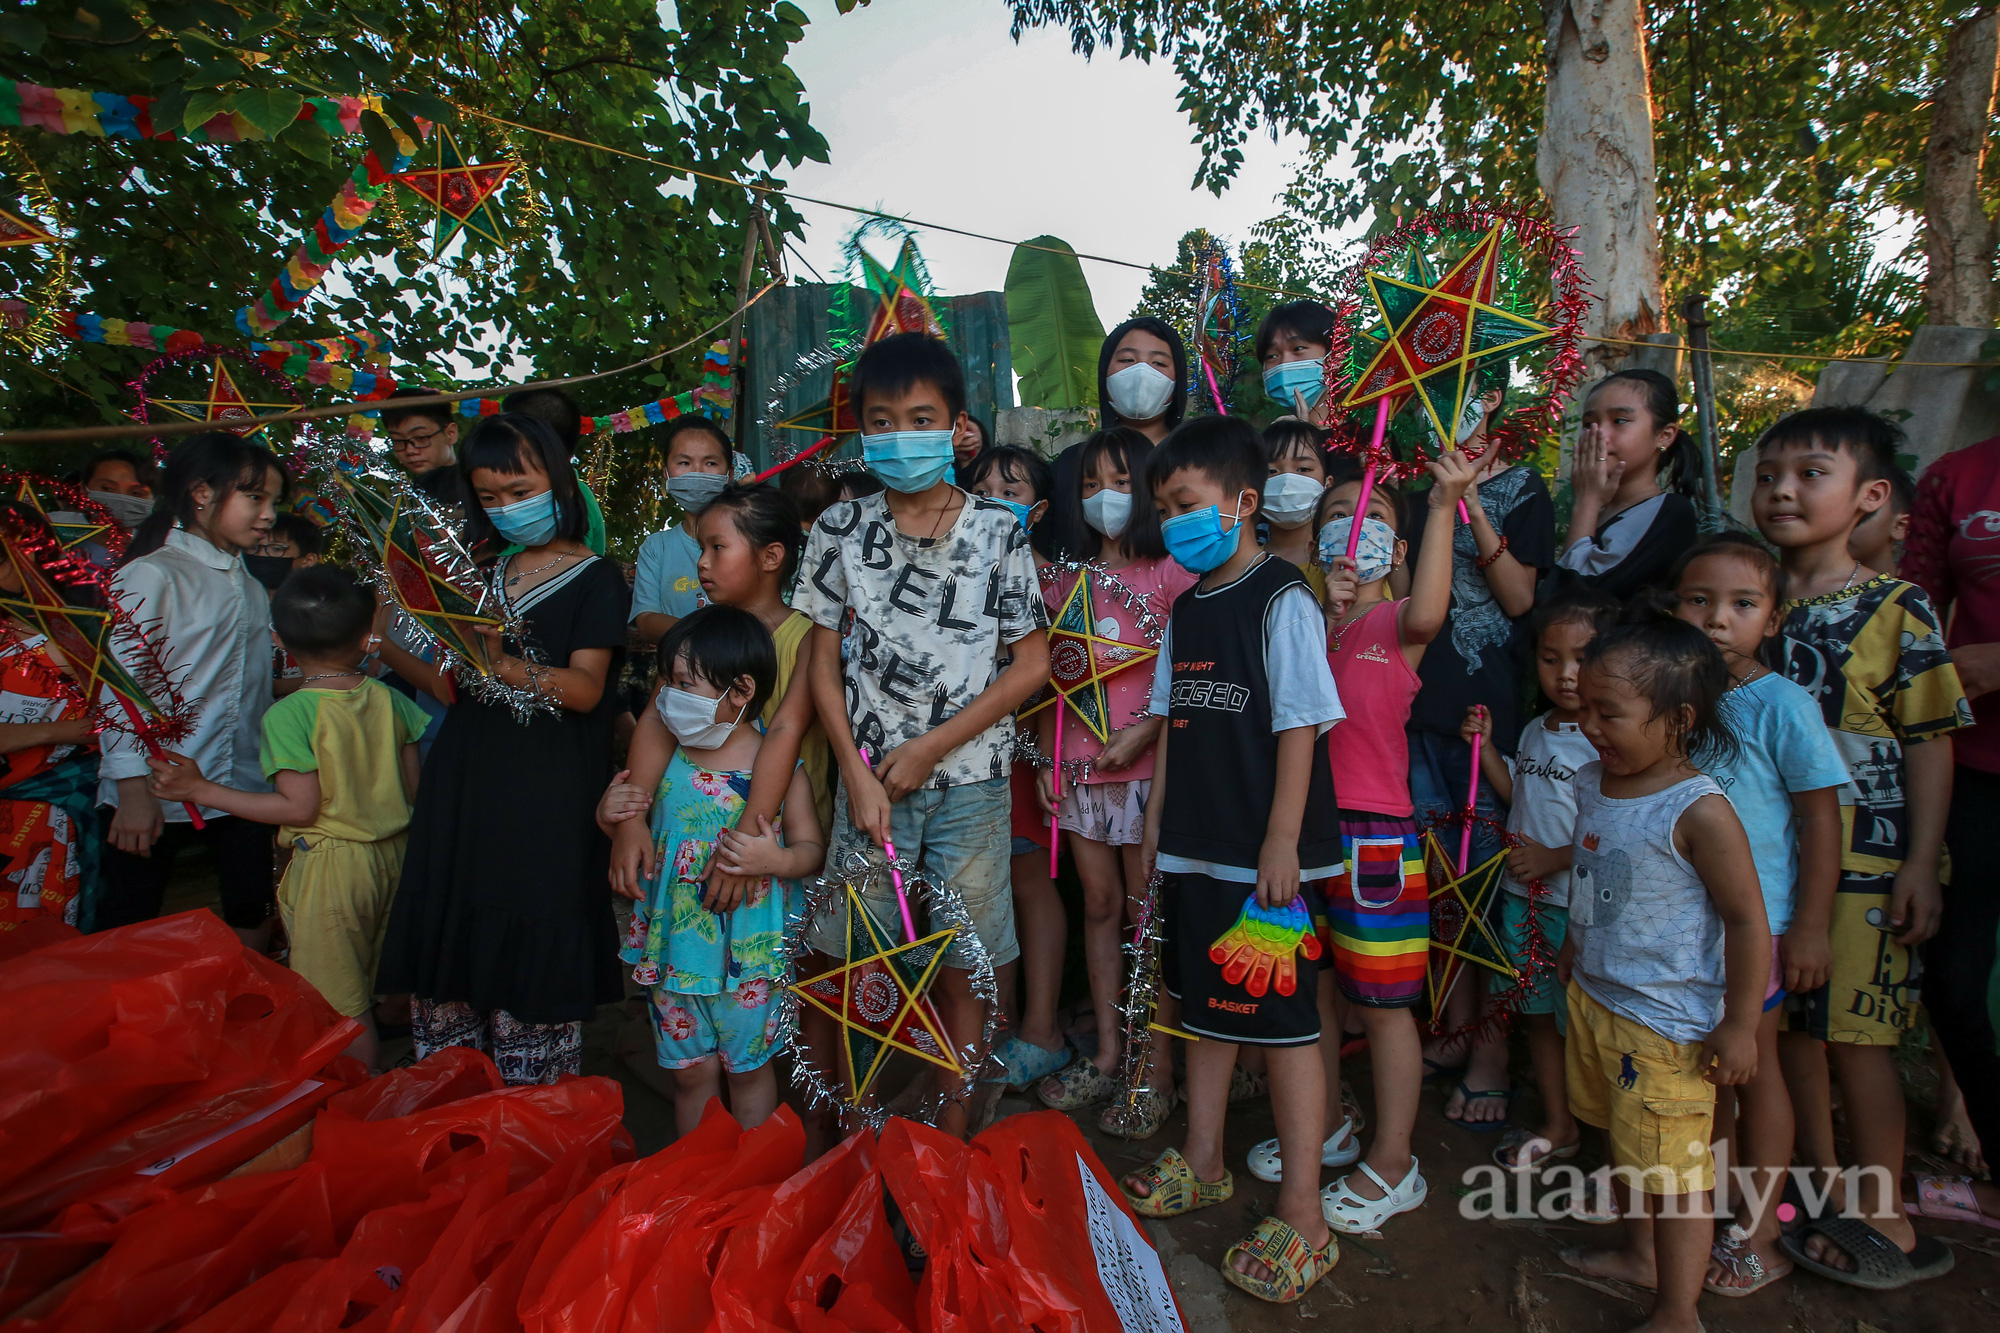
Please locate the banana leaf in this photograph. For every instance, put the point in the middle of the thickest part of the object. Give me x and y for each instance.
(1052, 325)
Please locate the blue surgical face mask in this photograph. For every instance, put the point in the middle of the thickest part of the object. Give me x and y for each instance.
(1308, 378)
(528, 522)
(1198, 542)
(1018, 509)
(908, 460)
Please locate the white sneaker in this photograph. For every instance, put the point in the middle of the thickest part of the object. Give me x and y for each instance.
(1351, 1215)
(1340, 1150)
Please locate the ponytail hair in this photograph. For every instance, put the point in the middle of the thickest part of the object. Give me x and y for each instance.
(223, 461)
(1675, 668)
(764, 516)
(1680, 462)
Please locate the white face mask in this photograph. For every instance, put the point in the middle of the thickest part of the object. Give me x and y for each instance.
(1108, 511)
(691, 717)
(129, 511)
(1139, 392)
(1289, 499)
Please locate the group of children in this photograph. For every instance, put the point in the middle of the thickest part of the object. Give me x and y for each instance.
(1722, 830)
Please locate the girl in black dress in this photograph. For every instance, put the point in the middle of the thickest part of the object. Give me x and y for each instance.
(502, 929)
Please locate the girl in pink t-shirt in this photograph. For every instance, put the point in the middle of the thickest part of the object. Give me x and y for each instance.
(1376, 931)
(1101, 808)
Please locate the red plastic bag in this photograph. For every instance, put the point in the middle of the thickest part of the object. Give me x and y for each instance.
(751, 1275)
(853, 1279)
(952, 1201)
(440, 1078)
(131, 1044)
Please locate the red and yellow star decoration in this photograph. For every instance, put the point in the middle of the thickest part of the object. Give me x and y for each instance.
(72, 529)
(881, 998)
(461, 192)
(17, 230)
(412, 554)
(1082, 657)
(225, 402)
(1435, 333)
(1459, 932)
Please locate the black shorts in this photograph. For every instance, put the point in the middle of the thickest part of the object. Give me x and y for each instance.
(1262, 1008)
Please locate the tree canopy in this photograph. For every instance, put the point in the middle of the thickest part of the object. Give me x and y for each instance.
(608, 257)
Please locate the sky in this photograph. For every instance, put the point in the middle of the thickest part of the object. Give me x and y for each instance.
(932, 112)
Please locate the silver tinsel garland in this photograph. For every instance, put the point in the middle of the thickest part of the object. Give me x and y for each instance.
(1139, 1003)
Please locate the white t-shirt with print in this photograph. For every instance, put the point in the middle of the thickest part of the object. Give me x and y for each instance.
(1544, 809)
(932, 619)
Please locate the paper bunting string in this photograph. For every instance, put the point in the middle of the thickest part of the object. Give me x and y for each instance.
(461, 192)
(715, 397)
(1085, 652)
(343, 220)
(116, 116)
(881, 998)
(290, 358)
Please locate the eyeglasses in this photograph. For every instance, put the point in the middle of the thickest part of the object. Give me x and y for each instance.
(413, 441)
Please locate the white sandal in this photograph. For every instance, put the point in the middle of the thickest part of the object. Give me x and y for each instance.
(1352, 1215)
(1340, 1150)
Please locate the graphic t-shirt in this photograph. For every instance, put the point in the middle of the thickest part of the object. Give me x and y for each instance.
(1129, 692)
(1872, 659)
(1782, 747)
(1476, 658)
(932, 619)
(665, 581)
(1544, 809)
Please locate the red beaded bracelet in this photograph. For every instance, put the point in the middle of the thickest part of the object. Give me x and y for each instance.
(1485, 560)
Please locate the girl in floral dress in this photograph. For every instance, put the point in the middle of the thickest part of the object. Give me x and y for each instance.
(712, 968)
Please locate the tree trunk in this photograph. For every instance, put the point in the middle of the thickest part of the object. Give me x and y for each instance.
(1595, 161)
(1958, 235)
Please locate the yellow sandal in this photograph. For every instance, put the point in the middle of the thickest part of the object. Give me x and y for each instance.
(1173, 1189)
(1275, 1244)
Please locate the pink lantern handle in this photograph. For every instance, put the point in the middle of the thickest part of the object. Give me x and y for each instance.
(1471, 803)
(1055, 785)
(1368, 475)
(895, 875)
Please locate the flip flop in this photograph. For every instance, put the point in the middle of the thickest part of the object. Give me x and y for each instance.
(1024, 1064)
(1482, 1126)
(1949, 1199)
(1540, 1155)
(1296, 1265)
(1734, 1253)
(1878, 1264)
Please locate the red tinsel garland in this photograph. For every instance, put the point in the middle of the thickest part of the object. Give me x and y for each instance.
(1498, 1016)
(1531, 234)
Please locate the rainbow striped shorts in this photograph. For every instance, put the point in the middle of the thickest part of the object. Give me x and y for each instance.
(1377, 929)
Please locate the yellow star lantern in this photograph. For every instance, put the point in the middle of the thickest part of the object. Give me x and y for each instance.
(71, 529)
(881, 998)
(1459, 933)
(1082, 657)
(1434, 335)
(417, 555)
(17, 230)
(225, 402)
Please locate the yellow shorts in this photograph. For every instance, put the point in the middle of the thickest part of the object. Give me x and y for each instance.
(335, 900)
(1647, 1091)
(1870, 998)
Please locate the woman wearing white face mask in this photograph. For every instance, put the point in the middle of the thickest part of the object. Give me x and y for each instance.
(1142, 377)
(1297, 479)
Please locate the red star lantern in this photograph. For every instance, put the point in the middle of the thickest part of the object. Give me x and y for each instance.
(225, 402)
(16, 230)
(462, 192)
(1082, 657)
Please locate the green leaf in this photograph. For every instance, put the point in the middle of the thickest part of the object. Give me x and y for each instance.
(434, 109)
(308, 140)
(24, 32)
(203, 107)
(405, 119)
(269, 109)
(1052, 325)
(380, 140)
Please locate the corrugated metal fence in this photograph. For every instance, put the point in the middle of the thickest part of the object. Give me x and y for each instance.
(795, 319)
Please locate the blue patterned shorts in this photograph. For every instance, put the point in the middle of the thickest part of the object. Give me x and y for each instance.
(739, 1026)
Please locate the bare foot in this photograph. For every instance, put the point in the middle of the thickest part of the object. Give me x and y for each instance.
(1620, 1265)
(1540, 1147)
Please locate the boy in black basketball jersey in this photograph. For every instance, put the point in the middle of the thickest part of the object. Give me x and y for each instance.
(1240, 816)
(943, 591)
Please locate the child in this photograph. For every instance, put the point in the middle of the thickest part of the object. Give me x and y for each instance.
(294, 542)
(500, 927)
(1378, 903)
(666, 586)
(940, 584)
(1292, 345)
(1103, 811)
(1034, 1047)
(1236, 821)
(1867, 647)
(1784, 770)
(1877, 542)
(1667, 954)
(711, 974)
(1627, 529)
(210, 624)
(1295, 482)
(343, 752)
(1142, 377)
(1538, 786)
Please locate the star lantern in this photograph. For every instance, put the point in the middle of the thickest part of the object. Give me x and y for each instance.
(225, 402)
(881, 998)
(1459, 933)
(71, 528)
(17, 230)
(1082, 656)
(415, 554)
(461, 192)
(1434, 333)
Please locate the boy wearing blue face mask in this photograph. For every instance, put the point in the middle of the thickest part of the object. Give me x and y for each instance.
(665, 586)
(1242, 813)
(1292, 344)
(942, 588)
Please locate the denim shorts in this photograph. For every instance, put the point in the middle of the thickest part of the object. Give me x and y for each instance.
(962, 837)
